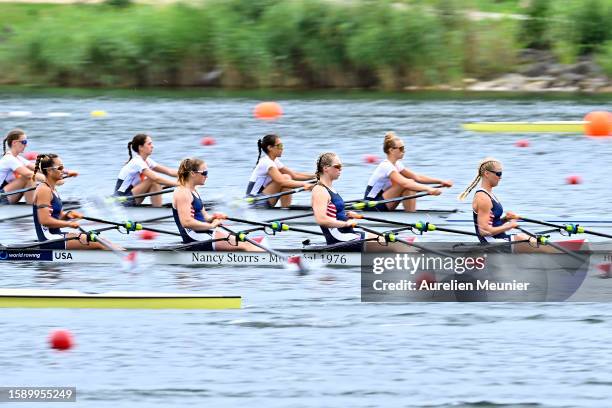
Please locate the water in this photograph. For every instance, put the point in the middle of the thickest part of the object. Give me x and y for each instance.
(308, 341)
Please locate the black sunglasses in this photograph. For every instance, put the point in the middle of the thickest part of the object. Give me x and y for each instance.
(204, 173)
(400, 148)
(497, 173)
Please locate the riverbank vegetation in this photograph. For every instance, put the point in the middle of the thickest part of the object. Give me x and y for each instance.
(292, 43)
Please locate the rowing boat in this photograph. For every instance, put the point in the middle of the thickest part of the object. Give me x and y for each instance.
(524, 127)
(36, 298)
(23, 212)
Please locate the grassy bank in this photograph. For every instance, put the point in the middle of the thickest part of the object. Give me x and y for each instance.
(287, 44)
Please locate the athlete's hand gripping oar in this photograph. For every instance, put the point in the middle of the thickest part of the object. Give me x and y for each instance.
(361, 204)
(122, 199)
(128, 259)
(131, 226)
(390, 237)
(569, 228)
(544, 240)
(255, 199)
(295, 261)
(276, 226)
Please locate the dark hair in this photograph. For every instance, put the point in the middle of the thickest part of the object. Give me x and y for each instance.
(137, 141)
(43, 161)
(264, 144)
(325, 159)
(11, 136)
(186, 167)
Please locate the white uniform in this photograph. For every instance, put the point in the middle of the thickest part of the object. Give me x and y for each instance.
(260, 177)
(8, 165)
(379, 181)
(129, 176)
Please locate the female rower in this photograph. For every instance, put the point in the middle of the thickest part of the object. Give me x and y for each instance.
(139, 174)
(489, 222)
(391, 179)
(270, 176)
(16, 171)
(336, 223)
(192, 220)
(47, 209)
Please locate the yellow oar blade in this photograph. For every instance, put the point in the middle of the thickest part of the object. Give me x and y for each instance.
(525, 127)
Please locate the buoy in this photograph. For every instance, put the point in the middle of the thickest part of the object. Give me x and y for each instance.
(573, 179)
(147, 235)
(98, 113)
(371, 159)
(268, 111)
(598, 124)
(522, 143)
(61, 340)
(208, 141)
(604, 270)
(30, 155)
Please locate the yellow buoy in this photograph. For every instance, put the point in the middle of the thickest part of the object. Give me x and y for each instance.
(98, 113)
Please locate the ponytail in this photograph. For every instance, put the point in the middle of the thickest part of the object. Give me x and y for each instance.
(186, 167)
(389, 141)
(264, 144)
(325, 159)
(484, 165)
(43, 161)
(137, 141)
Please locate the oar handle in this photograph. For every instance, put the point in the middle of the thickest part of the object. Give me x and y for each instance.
(254, 199)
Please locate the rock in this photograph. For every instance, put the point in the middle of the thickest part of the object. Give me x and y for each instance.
(535, 70)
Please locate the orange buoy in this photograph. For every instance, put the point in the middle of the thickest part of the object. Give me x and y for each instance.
(598, 124)
(268, 111)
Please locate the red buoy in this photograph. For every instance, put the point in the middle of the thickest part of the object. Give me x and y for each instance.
(371, 159)
(522, 143)
(61, 340)
(147, 235)
(573, 179)
(208, 141)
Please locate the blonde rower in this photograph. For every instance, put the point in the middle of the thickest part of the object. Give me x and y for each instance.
(391, 179)
(271, 176)
(192, 220)
(140, 174)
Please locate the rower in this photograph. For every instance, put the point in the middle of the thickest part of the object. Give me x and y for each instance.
(271, 176)
(16, 171)
(140, 174)
(391, 179)
(335, 222)
(47, 209)
(489, 222)
(192, 220)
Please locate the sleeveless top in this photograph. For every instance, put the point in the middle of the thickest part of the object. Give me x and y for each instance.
(495, 219)
(336, 209)
(43, 233)
(189, 235)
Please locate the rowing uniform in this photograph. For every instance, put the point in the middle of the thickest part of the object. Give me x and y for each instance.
(260, 178)
(8, 165)
(189, 235)
(131, 175)
(44, 233)
(380, 182)
(495, 220)
(335, 209)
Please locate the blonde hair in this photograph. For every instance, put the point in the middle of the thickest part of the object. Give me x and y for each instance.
(186, 167)
(389, 141)
(325, 159)
(484, 165)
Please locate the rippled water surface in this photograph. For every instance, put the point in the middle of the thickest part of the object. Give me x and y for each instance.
(308, 341)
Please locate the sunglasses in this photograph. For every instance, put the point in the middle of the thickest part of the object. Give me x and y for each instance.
(204, 173)
(23, 142)
(497, 173)
(337, 166)
(280, 145)
(400, 148)
(58, 168)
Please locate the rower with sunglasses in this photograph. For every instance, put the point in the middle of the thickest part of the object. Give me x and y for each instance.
(271, 176)
(49, 216)
(16, 171)
(391, 179)
(192, 220)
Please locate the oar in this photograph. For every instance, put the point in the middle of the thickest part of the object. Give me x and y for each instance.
(252, 200)
(94, 237)
(291, 260)
(391, 237)
(541, 239)
(23, 190)
(570, 228)
(421, 226)
(361, 204)
(122, 199)
(276, 226)
(17, 217)
(132, 226)
(53, 241)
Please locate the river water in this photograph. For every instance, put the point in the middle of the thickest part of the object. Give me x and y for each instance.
(308, 341)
